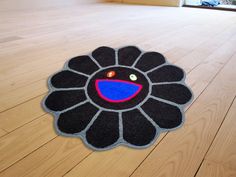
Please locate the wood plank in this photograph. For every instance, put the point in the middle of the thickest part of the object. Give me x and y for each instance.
(23, 94)
(9, 39)
(17, 144)
(211, 169)
(223, 149)
(58, 40)
(44, 4)
(30, 77)
(122, 162)
(53, 159)
(182, 151)
(211, 65)
(70, 152)
(220, 49)
(50, 54)
(18, 116)
(61, 44)
(2, 132)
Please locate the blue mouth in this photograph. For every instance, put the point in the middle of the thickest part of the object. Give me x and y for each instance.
(117, 91)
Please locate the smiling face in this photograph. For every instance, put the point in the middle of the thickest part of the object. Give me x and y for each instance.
(121, 87)
(116, 91)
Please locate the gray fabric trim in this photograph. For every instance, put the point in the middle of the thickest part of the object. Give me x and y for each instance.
(120, 141)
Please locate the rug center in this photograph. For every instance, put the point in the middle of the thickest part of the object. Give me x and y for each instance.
(117, 91)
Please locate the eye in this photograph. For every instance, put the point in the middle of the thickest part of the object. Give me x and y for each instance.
(133, 77)
(111, 74)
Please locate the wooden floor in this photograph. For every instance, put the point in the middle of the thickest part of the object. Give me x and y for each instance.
(36, 43)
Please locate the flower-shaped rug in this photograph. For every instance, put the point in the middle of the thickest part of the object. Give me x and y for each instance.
(117, 96)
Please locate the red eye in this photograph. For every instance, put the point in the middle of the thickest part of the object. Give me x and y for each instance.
(111, 74)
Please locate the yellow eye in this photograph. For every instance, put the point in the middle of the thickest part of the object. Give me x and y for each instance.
(133, 77)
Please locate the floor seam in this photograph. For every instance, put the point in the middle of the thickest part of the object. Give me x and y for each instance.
(204, 157)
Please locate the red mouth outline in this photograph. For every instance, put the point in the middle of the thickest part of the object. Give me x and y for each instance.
(117, 80)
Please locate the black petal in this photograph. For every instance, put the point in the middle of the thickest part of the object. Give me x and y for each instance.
(76, 120)
(68, 79)
(165, 115)
(150, 60)
(167, 73)
(177, 93)
(137, 130)
(83, 64)
(127, 55)
(104, 131)
(105, 56)
(60, 100)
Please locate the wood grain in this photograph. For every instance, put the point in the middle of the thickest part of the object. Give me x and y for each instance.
(21, 114)
(223, 149)
(2, 132)
(54, 159)
(22, 141)
(211, 169)
(124, 160)
(9, 39)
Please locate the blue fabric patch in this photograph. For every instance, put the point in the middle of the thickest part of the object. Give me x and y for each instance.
(117, 91)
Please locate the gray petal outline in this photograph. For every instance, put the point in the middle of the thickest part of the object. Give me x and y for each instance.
(120, 141)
